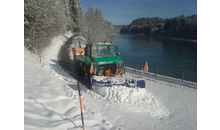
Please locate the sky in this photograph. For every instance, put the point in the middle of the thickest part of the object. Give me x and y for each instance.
(122, 12)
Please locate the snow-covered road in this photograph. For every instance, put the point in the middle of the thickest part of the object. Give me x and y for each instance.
(51, 100)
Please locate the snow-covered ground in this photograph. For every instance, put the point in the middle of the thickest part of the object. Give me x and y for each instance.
(51, 100)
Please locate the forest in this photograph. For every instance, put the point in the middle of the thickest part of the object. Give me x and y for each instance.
(47, 19)
(96, 29)
(177, 27)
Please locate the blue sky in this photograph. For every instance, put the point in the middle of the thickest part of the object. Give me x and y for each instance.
(122, 12)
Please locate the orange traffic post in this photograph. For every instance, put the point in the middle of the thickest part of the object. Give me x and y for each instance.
(81, 106)
(145, 69)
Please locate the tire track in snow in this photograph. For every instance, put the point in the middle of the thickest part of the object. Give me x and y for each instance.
(52, 112)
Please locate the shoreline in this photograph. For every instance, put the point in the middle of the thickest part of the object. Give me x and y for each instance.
(182, 39)
(172, 38)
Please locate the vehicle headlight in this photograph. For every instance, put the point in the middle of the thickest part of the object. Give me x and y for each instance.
(100, 72)
(118, 64)
(102, 63)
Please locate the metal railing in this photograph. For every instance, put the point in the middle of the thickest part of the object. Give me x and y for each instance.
(164, 71)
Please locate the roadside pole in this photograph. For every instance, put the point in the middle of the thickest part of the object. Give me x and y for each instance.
(39, 53)
(80, 100)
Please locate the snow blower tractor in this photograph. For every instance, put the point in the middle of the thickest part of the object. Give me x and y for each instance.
(102, 66)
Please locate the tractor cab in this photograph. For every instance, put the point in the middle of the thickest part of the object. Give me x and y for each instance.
(105, 59)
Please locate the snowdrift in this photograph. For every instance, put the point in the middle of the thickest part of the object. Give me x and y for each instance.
(133, 100)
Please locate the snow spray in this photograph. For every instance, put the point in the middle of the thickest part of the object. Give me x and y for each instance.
(81, 106)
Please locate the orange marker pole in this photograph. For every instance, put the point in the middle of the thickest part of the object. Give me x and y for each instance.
(81, 106)
(91, 68)
(142, 73)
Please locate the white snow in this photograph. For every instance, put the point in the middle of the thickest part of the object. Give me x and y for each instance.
(78, 39)
(51, 100)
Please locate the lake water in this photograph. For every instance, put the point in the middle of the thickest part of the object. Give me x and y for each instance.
(175, 54)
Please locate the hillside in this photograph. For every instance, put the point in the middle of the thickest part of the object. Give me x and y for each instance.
(44, 20)
(177, 27)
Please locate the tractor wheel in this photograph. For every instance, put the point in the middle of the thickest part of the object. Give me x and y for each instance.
(78, 70)
(88, 74)
(123, 72)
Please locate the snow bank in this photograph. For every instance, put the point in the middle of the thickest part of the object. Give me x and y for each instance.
(78, 39)
(133, 100)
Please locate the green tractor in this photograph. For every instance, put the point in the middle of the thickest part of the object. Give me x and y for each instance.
(102, 66)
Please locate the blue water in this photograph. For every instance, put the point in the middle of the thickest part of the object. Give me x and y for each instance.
(176, 54)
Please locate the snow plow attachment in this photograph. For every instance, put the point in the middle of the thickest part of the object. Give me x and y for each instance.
(103, 81)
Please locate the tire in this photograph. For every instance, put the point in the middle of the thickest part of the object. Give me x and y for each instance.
(78, 70)
(88, 77)
(123, 72)
(88, 74)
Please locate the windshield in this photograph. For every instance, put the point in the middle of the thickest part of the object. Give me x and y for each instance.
(104, 50)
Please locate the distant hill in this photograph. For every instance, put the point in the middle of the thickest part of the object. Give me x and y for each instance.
(117, 28)
(178, 27)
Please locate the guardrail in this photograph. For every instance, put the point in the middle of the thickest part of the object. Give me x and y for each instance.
(164, 71)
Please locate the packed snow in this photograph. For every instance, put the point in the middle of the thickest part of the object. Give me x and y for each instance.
(51, 100)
